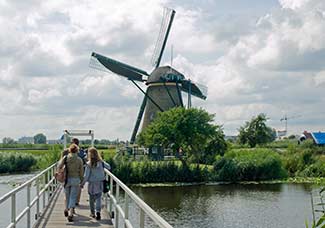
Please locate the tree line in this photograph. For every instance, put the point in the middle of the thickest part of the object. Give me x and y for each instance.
(194, 132)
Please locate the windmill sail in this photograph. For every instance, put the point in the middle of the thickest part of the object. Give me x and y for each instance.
(194, 89)
(166, 23)
(165, 27)
(106, 64)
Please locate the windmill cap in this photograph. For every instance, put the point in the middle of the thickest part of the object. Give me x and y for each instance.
(156, 75)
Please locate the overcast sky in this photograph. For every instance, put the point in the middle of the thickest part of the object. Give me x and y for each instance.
(255, 57)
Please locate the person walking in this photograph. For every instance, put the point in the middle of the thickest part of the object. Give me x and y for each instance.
(95, 175)
(74, 167)
(81, 153)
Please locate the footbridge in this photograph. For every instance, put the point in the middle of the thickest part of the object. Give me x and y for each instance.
(39, 202)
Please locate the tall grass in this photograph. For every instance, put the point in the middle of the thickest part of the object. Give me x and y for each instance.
(249, 165)
(15, 163)
(147, 171)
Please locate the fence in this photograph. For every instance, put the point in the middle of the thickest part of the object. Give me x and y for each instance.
(45, 184)
(121, 209)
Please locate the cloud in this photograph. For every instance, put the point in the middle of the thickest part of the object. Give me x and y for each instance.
(268, 61)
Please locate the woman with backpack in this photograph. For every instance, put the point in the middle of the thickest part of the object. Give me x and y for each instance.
(74, 168)
(95, 175)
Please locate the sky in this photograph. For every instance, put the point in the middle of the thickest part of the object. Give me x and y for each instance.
(255, 57)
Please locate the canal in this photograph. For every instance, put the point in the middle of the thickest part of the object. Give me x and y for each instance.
(215, 205)
(231, 205)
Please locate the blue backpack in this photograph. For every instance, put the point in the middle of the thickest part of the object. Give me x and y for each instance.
(83, 155)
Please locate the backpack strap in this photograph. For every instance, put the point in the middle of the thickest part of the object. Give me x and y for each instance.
(66, 170)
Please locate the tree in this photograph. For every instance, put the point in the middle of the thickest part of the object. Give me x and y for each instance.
(189, 129)
(256, 132)
(40, 139)
(8, 140)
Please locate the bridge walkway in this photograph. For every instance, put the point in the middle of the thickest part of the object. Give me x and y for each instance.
(53, 216)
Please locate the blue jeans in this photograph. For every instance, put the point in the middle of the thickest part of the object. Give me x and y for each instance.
(95, 199)
(71, 190)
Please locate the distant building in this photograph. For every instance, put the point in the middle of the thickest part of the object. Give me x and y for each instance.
(54, 141)
(26, 140)
(317, 137)
(281, 133)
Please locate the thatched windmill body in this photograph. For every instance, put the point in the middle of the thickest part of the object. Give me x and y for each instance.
(164, 84)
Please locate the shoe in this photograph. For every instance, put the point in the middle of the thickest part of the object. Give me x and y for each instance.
(98, 216)
(66, 212)
(70, 218)
(92, 215)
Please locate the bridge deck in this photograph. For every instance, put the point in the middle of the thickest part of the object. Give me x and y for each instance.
(54, 218)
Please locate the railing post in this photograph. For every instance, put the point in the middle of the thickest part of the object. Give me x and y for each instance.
(141, 218)
(126, 208)
(13, 210)
(28, 205)
(117, 195)
(111, 192)
(37, 201)
(43, 188)
(50, 184)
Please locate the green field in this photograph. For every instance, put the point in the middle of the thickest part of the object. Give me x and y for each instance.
(44, 156)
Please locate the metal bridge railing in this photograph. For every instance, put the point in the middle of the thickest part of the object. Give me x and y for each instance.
(45, 185)
(122, 208)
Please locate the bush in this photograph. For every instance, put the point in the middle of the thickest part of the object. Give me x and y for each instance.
(14, 163)
(249, 165)
(314, 170)
(283, 143)
(157, 171)
(299, 158)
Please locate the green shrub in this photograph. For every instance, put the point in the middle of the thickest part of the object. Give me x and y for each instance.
(283, 143)
(249, 165)
(299, 160)
(147, 171)
(316, 169)
(13, 163)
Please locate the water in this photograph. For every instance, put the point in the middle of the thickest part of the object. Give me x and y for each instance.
(222, 206)
(8, 183)
(232, 205)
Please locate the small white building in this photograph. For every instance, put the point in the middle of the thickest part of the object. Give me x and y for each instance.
(54, 141)
(26, 140)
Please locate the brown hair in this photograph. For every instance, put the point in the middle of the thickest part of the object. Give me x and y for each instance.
(64, 153)
(75, 141)
(73, 148)
(93, 156)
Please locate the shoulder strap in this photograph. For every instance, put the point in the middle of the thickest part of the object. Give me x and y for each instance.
(66, 170)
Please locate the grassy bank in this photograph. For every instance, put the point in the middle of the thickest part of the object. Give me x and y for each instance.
(278, 162)
(16, 163)
(25, 158)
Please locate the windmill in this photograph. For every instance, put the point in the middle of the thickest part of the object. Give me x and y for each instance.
(164, 83)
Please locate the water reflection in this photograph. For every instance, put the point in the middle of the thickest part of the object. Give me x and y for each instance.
(231, 205)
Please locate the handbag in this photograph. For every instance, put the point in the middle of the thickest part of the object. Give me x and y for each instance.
(105, 183)
(61, 174)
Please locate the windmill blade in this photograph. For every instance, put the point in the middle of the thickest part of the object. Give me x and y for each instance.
(138, 121)
(166, 24)
(195, 89)
(106, 64)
